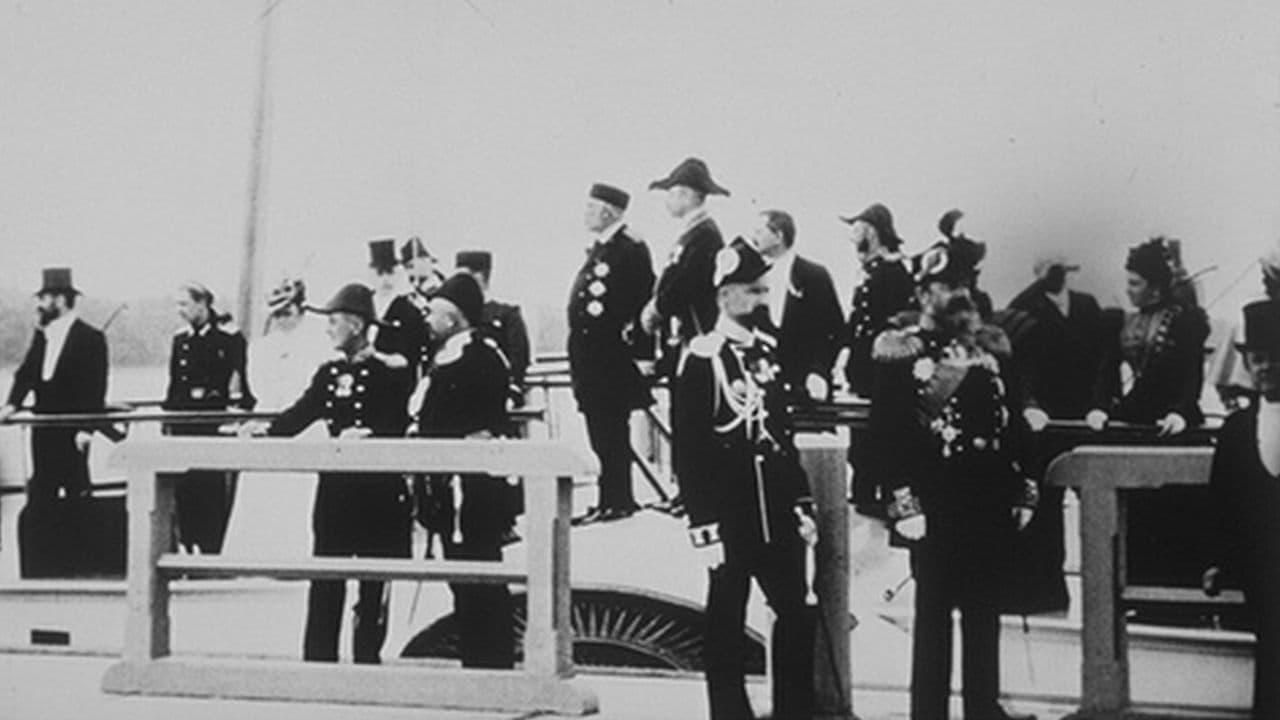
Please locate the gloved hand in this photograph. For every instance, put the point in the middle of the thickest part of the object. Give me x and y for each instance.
(1022, 517)
(911, 528)
(807, 527)
(353, 433)
(82, 441)
(1172, 424)
(1209, 582)
(816, 386)
(1096, 419)
(1036, 418)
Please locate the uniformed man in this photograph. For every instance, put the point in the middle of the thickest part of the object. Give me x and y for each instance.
(611, 287)
(207, 362)
(404, 327)
(950, 225)
(947, 432)
(750, 511)
(356, 514)
(465, 396)
(500, 321)
(1245, 482)
(885, 291)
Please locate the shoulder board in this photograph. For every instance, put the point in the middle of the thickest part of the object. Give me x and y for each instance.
(906, 320)
(493, 346)
(182, 331)
(707, 345)
(896, 345)
(765, 338)
(994, 340)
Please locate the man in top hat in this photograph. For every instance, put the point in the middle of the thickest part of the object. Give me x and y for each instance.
(500, 321)
(66, 368)
(207, 361)
(610, 289)
(404, 328)
(803, 309)
(685, 293)
(465, 396)
(948, 440)
(1245, 482)
(886, 290)
(750, 510)
(357, 395)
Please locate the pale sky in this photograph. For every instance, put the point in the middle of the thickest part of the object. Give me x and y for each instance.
(1086, 126)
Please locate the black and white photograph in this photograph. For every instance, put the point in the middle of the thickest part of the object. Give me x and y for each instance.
(639, 359)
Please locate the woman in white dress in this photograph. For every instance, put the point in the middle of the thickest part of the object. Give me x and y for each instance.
(272, 515)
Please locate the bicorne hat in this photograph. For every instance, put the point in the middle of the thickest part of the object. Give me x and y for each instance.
(739, 263)
(692, 173)
(353, 299)
(878, 217)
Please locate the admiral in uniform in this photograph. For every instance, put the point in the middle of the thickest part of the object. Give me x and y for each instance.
(464, 395)
(500, 321)
(610, 289)
(947, 435)
(885, 291)
(206, 361)
(1245, 483)
(750, 511)
(356, 514)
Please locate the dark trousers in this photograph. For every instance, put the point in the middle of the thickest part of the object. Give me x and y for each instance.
(609, 431)
(356, 517)
(203, 499)
(56, 465)
(486, 625)
(946, 581)
(779, 570)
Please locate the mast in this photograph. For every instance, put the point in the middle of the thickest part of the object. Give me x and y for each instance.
(251, 253)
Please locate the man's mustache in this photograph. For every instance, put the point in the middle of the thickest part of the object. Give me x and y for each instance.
(959, 304)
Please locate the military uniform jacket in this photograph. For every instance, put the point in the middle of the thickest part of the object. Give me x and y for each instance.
(947, 433)
(886, 291)
(404, 331)
(1247, 531)
(685, 289)
(809, 337)
(466, 391)
(201, 364)
(612, 286)
(740, 474)
(1164, 347)
(504, 323)
(1058, 354)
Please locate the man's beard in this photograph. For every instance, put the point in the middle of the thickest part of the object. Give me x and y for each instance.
(47, 315)
(959, 316)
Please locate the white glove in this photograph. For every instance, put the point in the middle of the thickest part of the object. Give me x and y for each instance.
(1096, 420)
(354, 433)
(82, 441)
(911, 528)
(710, 556)
(816, 386)
(1209, 582)
(1036, 418)
(252, 428)
(7, 411)
(807, 527)
(1022, 517)
(1172, 424)
(649, 317)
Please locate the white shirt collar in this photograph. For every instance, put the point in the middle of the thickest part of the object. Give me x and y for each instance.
(780, 284)
(55, 336)
(452, 348)
(695, 216)
(1269, 436)
(1061, 300)
(733, 331)
(60, 325)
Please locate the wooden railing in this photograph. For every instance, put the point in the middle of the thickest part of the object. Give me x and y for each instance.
(1102, 475)
(545, 684)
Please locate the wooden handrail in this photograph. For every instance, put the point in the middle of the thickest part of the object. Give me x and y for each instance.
(545, 683)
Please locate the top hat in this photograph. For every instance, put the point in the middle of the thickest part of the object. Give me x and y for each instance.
(878, 216)
(353, 299)
(480, 261)
(464, 292)
(610, 194)
(382, 254)
(739, 263)
(413, 249)
(1261, 326)
(692, 173)
(57, 280)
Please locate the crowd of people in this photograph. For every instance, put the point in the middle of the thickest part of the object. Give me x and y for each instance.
(960, 394)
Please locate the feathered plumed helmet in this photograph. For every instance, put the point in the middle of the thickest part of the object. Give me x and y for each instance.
(289, 291)
(1152, 261)
(954, 261)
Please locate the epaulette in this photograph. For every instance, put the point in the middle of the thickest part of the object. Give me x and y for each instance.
(994, 340)
(897, 344)
(706, 345)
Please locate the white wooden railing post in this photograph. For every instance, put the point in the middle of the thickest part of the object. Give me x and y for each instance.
(150, 510)
(548, 639)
